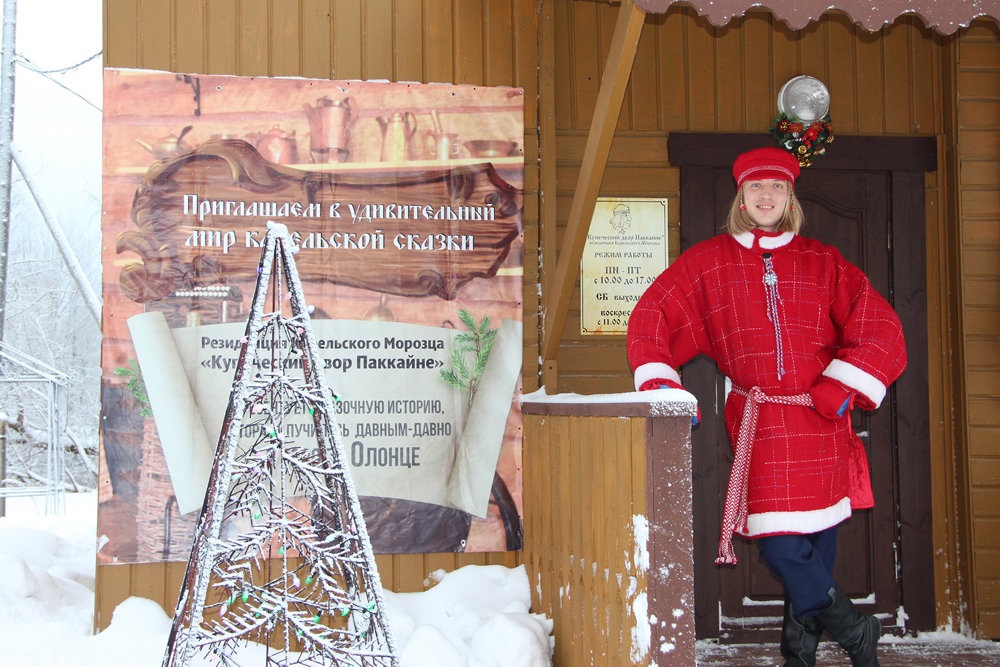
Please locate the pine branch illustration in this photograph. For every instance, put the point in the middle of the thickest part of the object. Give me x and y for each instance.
(478, 342)
(136, 386)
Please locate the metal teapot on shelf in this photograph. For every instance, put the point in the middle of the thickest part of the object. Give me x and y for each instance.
(168, 146)
(278, 146)
(397, 135)
(329, 125)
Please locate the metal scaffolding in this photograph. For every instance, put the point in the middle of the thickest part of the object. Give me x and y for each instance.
(32, 397)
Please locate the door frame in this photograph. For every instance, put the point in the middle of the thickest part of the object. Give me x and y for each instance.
(906, 159)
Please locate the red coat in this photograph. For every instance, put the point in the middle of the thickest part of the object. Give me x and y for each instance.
(712, 300)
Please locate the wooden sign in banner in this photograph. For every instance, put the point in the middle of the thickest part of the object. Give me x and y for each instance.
(405, 203)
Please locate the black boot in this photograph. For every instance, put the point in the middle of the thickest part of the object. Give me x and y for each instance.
(799, 639)
(856, 633)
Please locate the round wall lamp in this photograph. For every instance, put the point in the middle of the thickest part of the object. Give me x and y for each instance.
(803, 124)
(805, 98)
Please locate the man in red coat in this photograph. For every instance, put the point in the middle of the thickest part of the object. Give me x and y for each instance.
(804, 337)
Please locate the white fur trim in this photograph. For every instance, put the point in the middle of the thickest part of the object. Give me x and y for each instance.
(813, 521)
(857, 379)
(654, 370)
(772, 242)
(745, 239)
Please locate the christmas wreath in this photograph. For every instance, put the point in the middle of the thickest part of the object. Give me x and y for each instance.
(804, 141)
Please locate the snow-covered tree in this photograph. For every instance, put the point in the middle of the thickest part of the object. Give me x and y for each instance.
(47, 315)
(281, 541)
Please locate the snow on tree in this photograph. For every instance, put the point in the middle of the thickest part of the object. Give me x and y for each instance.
(281, 542)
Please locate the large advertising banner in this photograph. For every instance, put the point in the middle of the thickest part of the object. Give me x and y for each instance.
(405, 203)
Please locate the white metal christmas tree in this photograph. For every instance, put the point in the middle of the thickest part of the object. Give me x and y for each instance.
(281, 555)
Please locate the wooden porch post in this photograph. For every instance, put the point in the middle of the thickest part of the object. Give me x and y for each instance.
(595, 159)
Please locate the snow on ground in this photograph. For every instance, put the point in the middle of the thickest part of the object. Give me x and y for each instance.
(476, 616)
(472, 617)
(931, 649)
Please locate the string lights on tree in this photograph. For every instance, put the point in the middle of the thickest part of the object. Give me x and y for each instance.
(281, 555)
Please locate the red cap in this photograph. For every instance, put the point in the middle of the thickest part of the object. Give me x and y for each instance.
(761, 163)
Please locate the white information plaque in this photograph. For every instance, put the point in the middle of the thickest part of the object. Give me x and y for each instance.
(626, 250)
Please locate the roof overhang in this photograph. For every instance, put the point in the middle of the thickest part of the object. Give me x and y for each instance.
(944, 16)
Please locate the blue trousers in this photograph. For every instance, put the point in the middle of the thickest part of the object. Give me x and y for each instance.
(804, 563)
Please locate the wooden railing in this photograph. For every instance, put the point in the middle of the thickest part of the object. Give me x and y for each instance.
(608, 526)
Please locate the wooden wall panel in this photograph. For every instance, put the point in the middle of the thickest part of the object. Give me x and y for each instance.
(607, 17)
(758, 102)
(980, 293)
(783, 46)
(585, 63)
(870, 110)
(642, 94)
(978, 87)
(982, 441)
(984, 411)
(348, 24)
(190, 51)
(924, 56)
(671, 64)
(984, 172)
(156, 26)
(316, 25)
(467, 29)
(408, 56)
(728, 59)
(255, 44)
(898, 82)
(841, 78)
(984, 382)
(980, 144)
(437, 32)
(283, 50)
(977, 82)
(499, 42)
(525, 67)
(377, 31)
(700, 89)
(221, 40)
(121, 18)
(814, 51)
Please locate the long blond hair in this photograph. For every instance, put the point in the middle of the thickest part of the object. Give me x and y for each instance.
(791, 221)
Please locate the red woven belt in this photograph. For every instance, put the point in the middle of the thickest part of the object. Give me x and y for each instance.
(734, 515)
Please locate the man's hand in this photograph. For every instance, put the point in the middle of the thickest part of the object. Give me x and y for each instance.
(831, 399)
(656, 383)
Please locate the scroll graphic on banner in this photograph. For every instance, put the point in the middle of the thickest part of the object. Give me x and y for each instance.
(410, 256)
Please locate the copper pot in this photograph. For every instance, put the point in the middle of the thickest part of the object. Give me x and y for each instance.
(278, 146)
(329, 127)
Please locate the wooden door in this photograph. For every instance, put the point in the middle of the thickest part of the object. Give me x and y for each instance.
(869, 204)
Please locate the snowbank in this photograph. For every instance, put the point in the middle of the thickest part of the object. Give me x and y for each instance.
(476, 616)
